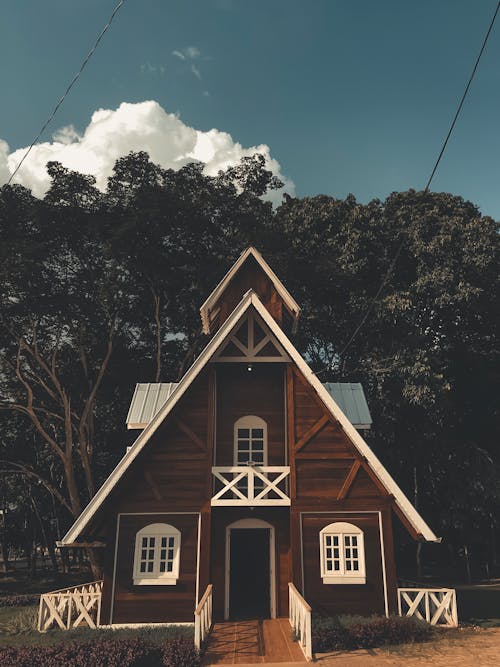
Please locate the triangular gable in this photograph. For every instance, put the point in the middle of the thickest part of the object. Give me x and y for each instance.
(251, 342)
(209, 309)
(405, 509)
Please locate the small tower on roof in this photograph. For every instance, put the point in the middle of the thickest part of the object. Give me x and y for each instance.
(250, 271)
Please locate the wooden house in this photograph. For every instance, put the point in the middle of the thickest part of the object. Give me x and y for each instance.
(249, 486)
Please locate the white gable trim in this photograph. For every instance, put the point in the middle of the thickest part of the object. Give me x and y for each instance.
(209, 303)
(251, 299)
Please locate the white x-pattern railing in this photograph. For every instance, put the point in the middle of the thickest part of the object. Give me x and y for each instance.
(71, 607)
(251, 485)
(437, 606)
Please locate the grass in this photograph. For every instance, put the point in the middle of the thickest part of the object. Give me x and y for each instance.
(18, 628)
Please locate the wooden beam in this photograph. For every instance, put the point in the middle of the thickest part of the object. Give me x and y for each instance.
(290, 427)
(152, 485)
(81, 545)
(211, 429)
(190, 434)
(349, 480)
(315, 428)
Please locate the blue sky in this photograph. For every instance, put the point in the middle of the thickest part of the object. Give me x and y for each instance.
(349, 95)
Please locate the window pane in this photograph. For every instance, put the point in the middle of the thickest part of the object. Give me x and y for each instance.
(336, 565)
(143, 554)
(150, 566)
(348, 565)
(329, 565)
(243, 457)
(171, 541)
(355, 565)
(257, 433)
(163, 541)
(258, 457)
(336, 540)
(257, 445)
(144, 541)
(170, 566)
(162, 566)
(243, 444)
(354, 540)
(243, 433)
(143, 567)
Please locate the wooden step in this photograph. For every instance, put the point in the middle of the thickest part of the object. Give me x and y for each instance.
(253, 641)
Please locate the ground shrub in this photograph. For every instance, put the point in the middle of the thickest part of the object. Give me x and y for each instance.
(18, 600)
(22, 622)
(178, 652)
(181, 652)
(344, 632)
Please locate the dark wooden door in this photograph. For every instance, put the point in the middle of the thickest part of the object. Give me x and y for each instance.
(249, 578)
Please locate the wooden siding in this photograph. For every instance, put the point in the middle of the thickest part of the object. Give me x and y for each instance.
(259, 392)
(331, 599)
(250, 276)
(155, 604)
(277, 517)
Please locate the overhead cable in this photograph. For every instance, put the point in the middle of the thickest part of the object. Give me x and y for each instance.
(70, 86)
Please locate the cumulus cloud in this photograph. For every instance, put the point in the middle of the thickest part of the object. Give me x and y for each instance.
(144, 126)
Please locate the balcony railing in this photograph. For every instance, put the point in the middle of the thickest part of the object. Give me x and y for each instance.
(250, 485)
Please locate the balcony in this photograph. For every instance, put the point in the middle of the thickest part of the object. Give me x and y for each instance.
(250, 486)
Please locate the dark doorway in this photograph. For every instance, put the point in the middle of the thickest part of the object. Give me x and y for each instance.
(249, 578)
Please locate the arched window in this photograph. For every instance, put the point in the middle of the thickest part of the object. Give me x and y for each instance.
(342, 554)
(156, 559)
(250, 441)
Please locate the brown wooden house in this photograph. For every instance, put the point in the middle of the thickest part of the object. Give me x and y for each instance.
(248, 476)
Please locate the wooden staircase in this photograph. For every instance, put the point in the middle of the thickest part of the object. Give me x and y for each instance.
(252, 641)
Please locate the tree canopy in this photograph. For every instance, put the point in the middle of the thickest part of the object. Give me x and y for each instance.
(99, 291)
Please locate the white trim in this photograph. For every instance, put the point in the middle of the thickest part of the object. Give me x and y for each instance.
(382, 554)
(334, 512)
(251, 299)
(158, 532)
(251, 523)
(118, 626)
(111, 607)
(118, 517)
(340, 530)
(289, 301)
(250, 422)
(198, 555)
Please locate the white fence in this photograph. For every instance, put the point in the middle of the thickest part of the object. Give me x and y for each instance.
(203, 617)
(250, 485)
(437, 606)
(300, 620)
(71, 607)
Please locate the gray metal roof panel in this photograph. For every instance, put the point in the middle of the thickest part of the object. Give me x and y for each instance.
(149, 398)
(350, 398)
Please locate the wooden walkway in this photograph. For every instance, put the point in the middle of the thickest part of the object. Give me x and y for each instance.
(250, 642)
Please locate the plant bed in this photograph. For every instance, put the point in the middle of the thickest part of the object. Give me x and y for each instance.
(137, 652)
(355, 632)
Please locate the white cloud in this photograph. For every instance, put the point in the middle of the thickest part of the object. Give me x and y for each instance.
(195, 71)
(144, 126)
(192, 52)
(179, 54)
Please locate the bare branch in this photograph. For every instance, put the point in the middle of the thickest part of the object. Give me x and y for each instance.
(31, 473)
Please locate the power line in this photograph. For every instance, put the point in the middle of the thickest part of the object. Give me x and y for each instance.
(441, 152)
(70, 86)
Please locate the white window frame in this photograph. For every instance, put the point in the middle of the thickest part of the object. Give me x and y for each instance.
(157, 531)
(250, 422)
(341, 530)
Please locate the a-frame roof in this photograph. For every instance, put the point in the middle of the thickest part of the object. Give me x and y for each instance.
(211, 301)
(405, 509)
